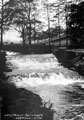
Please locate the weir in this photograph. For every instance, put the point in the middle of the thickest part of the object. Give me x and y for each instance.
(38, 85)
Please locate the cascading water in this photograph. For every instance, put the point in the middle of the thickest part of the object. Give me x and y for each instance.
(56, 85)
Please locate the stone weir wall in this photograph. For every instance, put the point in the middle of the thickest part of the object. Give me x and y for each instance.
(33, 49)
(72, 59)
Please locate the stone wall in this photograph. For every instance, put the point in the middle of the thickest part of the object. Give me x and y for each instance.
(72, 59)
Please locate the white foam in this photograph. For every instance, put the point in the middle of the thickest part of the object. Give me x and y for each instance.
(47, 66)
(33, 62)
(10, 53)
(51, 79)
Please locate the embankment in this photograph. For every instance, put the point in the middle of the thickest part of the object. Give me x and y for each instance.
(72, 59)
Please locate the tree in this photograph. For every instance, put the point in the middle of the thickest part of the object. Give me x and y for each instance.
(20, 15)
(23, 15)
(46, 6)
(4, 19)
(76, 23)
(35, 20)
(2, 8)
(58, 18)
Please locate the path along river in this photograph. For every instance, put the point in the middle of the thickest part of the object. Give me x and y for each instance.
(60, 89)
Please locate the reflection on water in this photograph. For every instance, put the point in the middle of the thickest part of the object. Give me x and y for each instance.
(60, 89)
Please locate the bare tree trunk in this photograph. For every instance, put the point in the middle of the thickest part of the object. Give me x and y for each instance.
(48, 23)
(66, 15)
(29, 24)
(23, 35)
(59, 24)
(34, 31)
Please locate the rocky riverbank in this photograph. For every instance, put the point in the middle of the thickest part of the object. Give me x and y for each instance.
(72, 59)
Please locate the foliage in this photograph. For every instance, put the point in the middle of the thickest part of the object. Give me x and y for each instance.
(76, 23)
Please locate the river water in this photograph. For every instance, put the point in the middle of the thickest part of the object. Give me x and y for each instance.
(60, 89)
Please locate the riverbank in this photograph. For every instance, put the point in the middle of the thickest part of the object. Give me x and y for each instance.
(19, 103)
(72, 59)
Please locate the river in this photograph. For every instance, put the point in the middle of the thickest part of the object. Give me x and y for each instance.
(60, 89)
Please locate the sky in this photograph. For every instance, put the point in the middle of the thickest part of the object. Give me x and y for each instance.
(12, 36)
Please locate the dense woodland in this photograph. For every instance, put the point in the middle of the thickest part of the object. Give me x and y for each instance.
(39, 21)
